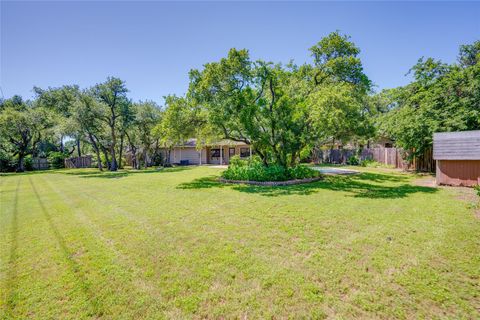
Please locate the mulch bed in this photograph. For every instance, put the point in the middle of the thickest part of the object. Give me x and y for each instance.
(272, 183)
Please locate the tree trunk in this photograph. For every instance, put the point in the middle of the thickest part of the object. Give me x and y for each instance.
(167, 157)
(120, 152)
(79, 152)
(135, 163)
(107, 160)
(21, 164)
(99, 159)
(113, 164)
(145, 162)
(97, 151)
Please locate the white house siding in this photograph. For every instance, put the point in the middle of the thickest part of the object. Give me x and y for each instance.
(190, 154)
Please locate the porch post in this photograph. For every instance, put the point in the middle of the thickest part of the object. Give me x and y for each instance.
(250, 152)
(221, 158)
(200, 156)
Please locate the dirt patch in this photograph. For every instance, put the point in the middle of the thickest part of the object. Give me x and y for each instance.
(426, 181)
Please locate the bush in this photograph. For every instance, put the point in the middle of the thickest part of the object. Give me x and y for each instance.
(57, 159)
(28, 163)
(7, 162)
(353, 161)
(302, 172)
(255, 170)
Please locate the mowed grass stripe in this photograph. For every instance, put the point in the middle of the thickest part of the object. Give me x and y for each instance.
(9, 236)
(363, 228)
(110, 285)
(148, 292)
(369, 246)
(37, 257)
(164, 247)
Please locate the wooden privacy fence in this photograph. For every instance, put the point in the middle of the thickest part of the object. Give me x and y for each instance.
(40, 164)
(394, 157)
(79, 162)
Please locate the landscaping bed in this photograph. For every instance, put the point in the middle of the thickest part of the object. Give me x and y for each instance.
(254, 170)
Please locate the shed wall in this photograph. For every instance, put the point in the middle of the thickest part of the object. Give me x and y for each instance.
(458, 172)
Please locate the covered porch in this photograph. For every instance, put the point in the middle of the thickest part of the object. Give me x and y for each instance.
(222, 153)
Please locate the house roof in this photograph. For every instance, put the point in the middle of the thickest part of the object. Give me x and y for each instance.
(462, 145)
(192, 143)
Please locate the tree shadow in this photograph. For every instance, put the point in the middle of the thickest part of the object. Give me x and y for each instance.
(364, 185)
(381, 177)
(11, 274)
(202, 183)
(122, 173)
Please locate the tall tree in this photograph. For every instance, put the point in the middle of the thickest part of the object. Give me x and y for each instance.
(270, 105)
(441, 98)
(112, 96)
(22, 125)
(62, 100)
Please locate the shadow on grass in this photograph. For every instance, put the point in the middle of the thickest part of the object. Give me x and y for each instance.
(364, 185)
(202, 183)
(121, 173)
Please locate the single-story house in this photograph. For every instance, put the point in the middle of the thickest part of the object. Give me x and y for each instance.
(458, 158)
(214, 153)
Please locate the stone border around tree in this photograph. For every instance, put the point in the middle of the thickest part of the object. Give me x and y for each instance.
(271, 183)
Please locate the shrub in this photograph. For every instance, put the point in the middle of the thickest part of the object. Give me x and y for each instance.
(302, 172)
(353, 161)
(57, 159)
(7, 162)
(255, 170)
(28, 163)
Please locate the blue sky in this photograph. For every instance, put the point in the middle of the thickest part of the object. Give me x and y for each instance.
(153, 45)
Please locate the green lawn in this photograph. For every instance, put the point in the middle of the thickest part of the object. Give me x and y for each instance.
(177, 244)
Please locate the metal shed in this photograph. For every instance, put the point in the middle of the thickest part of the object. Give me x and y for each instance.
(458, 157)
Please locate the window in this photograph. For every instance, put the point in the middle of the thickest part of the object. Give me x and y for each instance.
(215, 153)
(244, 152)
(231, 152)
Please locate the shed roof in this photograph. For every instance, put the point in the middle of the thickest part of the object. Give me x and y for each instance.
(462, 145)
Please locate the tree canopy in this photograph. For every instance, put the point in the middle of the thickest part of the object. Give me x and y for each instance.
(282, 110)
(441, 98)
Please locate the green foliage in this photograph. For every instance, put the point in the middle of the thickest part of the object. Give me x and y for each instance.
(275, 107)
(57, 159)
(442, 98)
(255, 170)
(336, 57)
(22, 126)
(8, 162)
(477, 189)
(28, 163)
(353, 161)
(302, 172)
